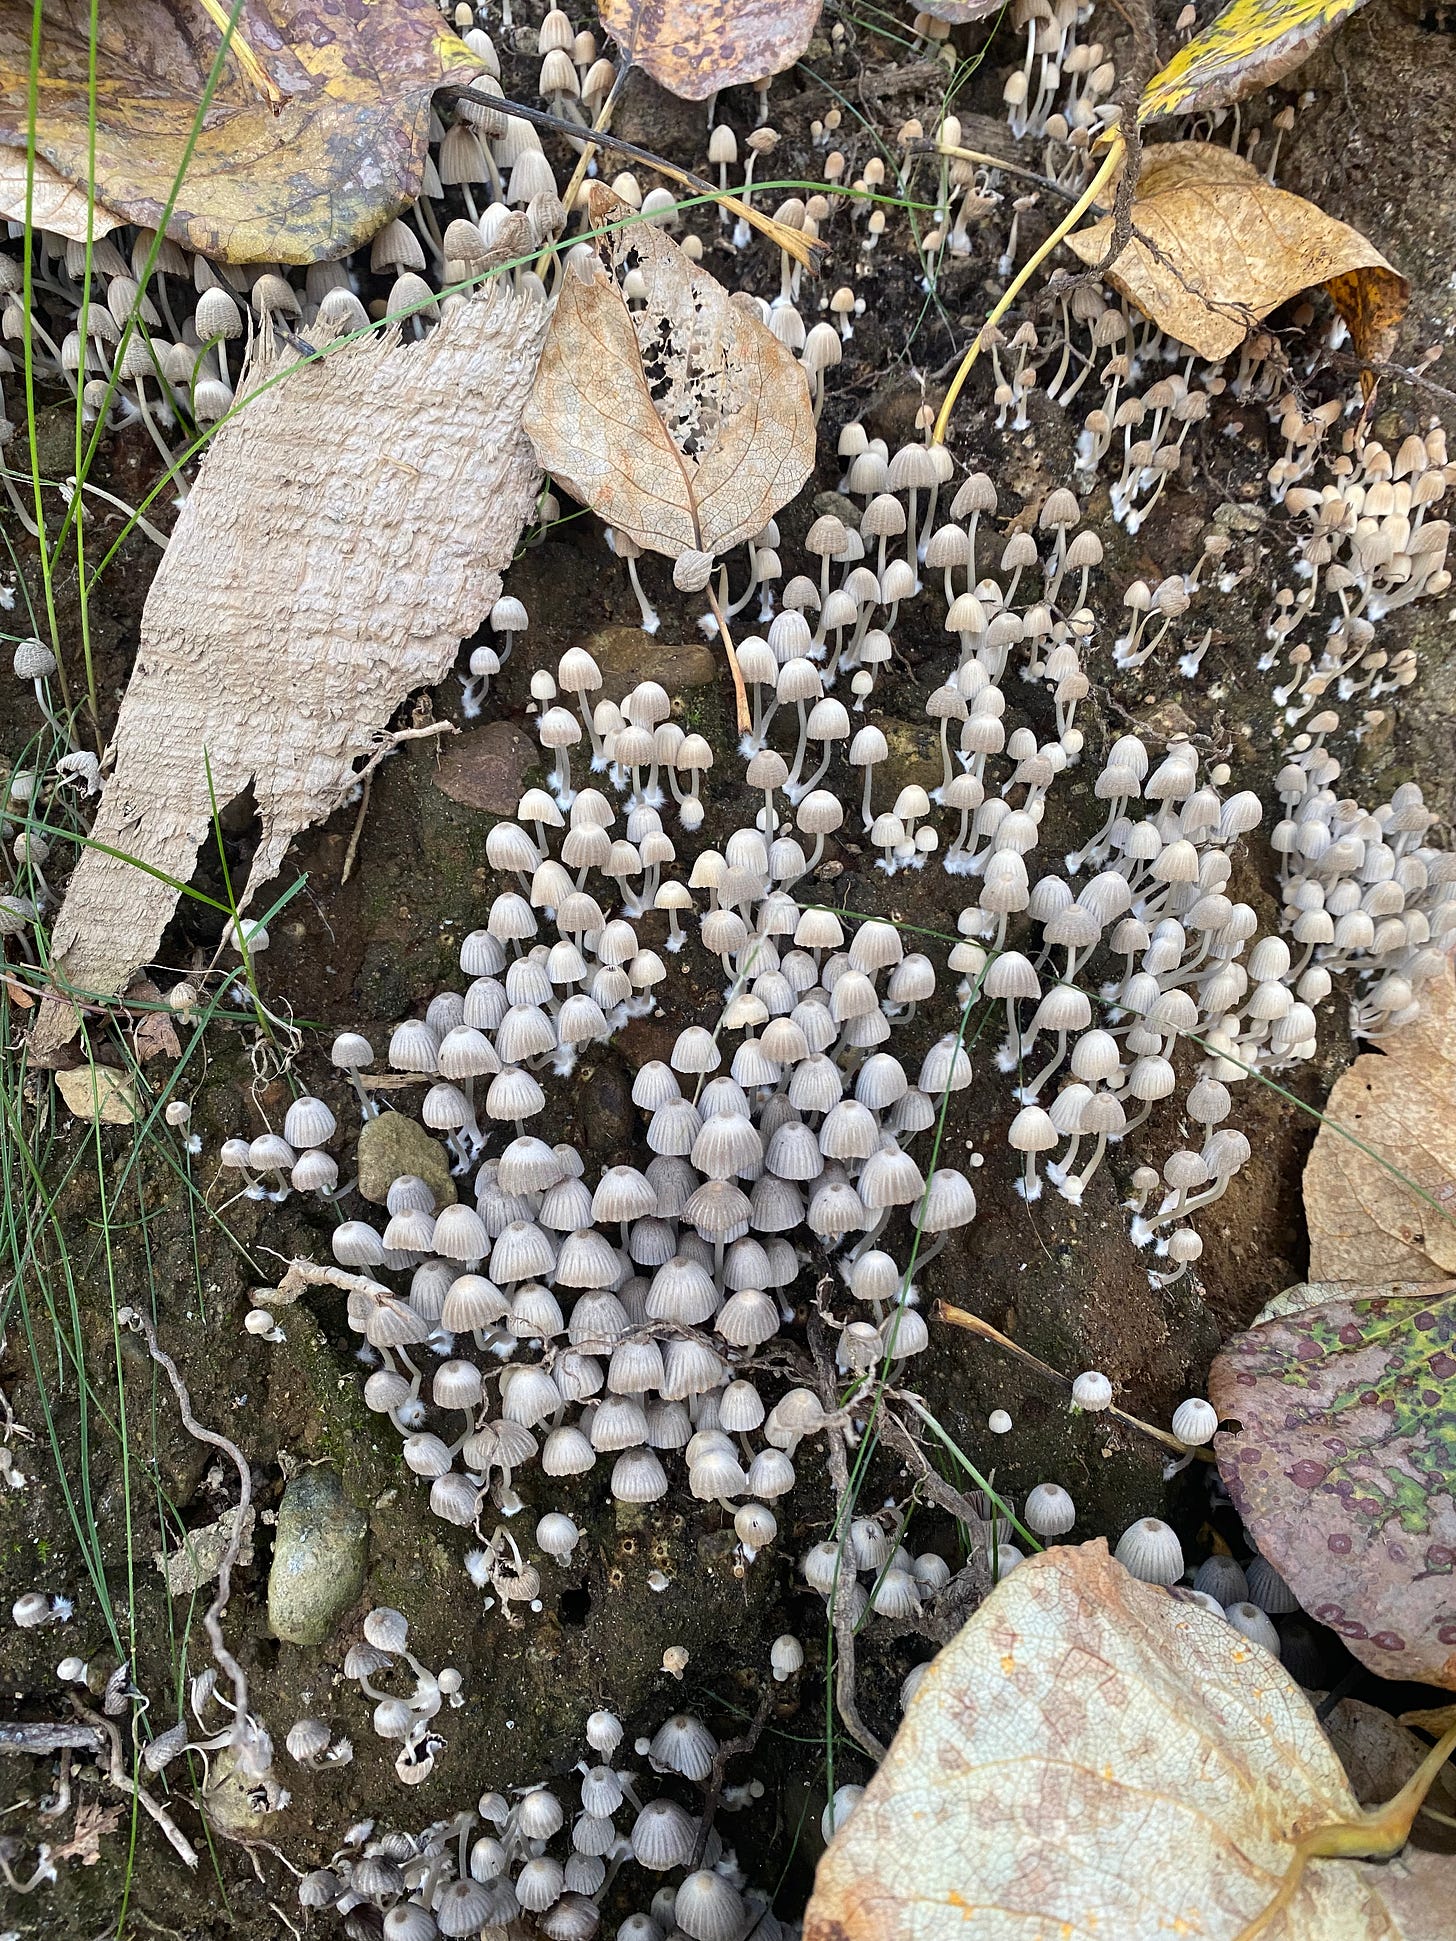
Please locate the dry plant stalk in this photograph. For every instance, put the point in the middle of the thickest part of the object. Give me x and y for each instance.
(347, 531)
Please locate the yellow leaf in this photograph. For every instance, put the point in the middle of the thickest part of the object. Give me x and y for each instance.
(315, 134)
(1365, 1223)
(1252, 44)
(1227, 248)
(1094, 1759)
(695, 47)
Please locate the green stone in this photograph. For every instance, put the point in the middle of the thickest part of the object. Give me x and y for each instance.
(318, 1557)
(393, 1145)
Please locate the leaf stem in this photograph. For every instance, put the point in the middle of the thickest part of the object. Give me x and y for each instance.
(740, 693)
(1069, 221)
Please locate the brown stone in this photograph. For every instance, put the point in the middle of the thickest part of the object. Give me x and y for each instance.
(626, 656)
(486, 769)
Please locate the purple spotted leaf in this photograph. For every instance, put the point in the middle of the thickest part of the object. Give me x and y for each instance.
(1343, 1467)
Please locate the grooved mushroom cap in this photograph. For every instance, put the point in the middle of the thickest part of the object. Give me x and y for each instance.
(1150, 1550)
(664, 1836)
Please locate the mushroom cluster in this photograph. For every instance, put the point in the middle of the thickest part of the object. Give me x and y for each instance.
(538, 1860)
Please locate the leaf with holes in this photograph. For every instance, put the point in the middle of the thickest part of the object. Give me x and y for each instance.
(684, 422)
(1386, 1213)
(1252, 44)
(1344, 1467)
(1227, 248)
(1091, 1757)
(315, 134)
(695, 47)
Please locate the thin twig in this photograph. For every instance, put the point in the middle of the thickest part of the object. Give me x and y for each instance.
(958, 1318)
(807, 251)
(124, 1782)
(844, 1691)
(213, 1615)
(730, 1749)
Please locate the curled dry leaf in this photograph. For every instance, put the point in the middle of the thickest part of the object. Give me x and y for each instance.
(315, 134)
(695, 47)
(347, 531)
(1230, 248)
(1092, 1757)
(1343, 1467)
(685, 423)
(1252, 44)
(1366, 1224)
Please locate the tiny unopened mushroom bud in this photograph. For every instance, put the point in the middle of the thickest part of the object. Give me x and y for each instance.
(604, 1732)
(1092, 1391)
(675, 1660)
(843, 1802)
(1252, 1623)
(178, 1112)
(260, 1322)
(558, 1536)
(786, 1656)
(755, 1525)
(999, 1422)
(30, 1609)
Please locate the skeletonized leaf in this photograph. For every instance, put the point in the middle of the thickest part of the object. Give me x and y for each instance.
(1252, 44)
(1365, 1223)
(1344, 1466)
(695, 47)
(315, 135)
(1231, 248)
(55, 203)
(348, 529)
(684, 423)
(1093, 1757)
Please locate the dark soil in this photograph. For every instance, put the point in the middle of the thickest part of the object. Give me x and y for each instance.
(1065, 1284)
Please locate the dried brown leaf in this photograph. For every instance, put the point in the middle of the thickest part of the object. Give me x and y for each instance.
(1366, 1225)
(960, 13)
(695, 47)
(1224, 248)
(315, 134)
(348, 529)
(1343, 1463)
(684, 423)
(1093, 1757)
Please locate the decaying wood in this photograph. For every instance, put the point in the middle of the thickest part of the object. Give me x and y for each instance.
(346, 533)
